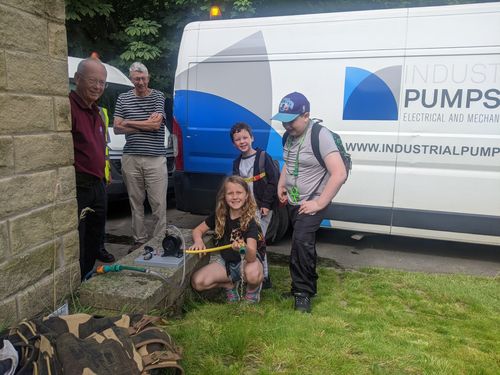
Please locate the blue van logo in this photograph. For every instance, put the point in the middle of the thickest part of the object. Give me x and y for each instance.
(372, 96)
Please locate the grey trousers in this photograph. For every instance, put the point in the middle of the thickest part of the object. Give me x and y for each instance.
(146, 174)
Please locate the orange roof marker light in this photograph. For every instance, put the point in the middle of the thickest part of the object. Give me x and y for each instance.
(215, 12)
(95, 55)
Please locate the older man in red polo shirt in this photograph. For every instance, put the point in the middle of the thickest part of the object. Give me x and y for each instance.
(89, 146)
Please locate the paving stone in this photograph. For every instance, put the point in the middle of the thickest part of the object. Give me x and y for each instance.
(132, 291)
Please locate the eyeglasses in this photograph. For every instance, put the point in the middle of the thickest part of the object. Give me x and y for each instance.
(139, 79)
(96, 82)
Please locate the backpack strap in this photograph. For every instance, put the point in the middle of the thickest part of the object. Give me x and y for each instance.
(236, 165)
(285, 137)
(153, 335)
(157, 349)
(346, 157)
(160, 361)
(260, 160)
(143, 322)
(316, 128)
(257, 177)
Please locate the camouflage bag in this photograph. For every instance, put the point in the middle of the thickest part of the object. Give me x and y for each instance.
(81, 344)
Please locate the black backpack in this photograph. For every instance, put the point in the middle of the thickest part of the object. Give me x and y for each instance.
(316, 128)
(262, 162)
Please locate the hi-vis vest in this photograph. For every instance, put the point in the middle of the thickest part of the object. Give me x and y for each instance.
(107, 166)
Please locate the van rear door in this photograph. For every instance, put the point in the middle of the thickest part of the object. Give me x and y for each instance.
(448, 156)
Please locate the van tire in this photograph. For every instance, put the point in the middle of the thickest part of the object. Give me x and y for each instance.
(278, 225)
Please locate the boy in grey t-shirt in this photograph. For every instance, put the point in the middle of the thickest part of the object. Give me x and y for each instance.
(262, 183)
(308, 188)
(311, 177)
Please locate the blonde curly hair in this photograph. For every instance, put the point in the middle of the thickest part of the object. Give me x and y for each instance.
(222, 209)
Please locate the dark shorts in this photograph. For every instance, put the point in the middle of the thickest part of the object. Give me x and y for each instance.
(233, 269)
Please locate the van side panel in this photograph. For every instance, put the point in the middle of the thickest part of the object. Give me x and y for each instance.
(330, 83)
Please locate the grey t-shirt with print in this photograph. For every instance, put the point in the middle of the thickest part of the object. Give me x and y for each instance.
(310, 171)
(246, 168)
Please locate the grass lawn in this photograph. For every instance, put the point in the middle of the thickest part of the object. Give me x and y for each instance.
(369, 322)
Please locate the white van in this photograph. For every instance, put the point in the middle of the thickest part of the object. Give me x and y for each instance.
(117, 84)
(414, 94)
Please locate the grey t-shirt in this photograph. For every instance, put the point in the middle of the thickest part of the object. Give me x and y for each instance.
(132, 107)
(310, 171)
(246, 168)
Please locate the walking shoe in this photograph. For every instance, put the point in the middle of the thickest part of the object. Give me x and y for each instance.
(253, 296)
(267, 284)
(105, 257)
(289, 294)
(302, 302)
(232, 295)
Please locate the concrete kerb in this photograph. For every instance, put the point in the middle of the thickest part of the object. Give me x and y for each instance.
(129, 291)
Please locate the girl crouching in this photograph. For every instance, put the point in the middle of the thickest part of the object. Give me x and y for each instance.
(233, 223)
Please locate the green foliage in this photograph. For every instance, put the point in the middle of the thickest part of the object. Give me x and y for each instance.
(141, 27)
(76, 9)
(142, 34)
(139, 50)
(242, 5)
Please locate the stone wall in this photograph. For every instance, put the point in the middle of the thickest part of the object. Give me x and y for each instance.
(38, 211)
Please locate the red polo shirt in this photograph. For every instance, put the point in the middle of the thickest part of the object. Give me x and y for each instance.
(87, 129)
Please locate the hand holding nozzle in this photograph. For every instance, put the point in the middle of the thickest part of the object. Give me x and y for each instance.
(239, 246)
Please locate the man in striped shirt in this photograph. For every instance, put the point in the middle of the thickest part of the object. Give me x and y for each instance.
(140, 114)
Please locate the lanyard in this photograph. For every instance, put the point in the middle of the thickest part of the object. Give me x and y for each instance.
(296, 164)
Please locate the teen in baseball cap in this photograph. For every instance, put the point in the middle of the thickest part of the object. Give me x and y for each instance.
(292, 106)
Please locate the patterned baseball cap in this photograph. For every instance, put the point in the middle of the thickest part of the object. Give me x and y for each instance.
(292, 106)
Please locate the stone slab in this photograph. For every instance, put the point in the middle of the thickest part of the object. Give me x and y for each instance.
(141, 292)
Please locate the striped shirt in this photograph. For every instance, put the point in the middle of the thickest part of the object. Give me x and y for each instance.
(132, 107)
